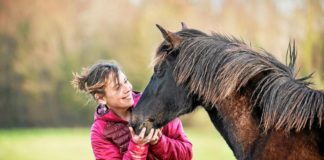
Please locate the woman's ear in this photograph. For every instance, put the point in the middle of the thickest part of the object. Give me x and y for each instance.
(100, 98)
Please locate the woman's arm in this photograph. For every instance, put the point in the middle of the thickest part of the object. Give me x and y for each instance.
(173, 144)
(103, 149)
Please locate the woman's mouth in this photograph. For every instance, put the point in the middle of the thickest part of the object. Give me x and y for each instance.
(128, 97)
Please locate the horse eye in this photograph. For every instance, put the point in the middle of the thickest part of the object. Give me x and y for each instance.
(155, 69)
(158, 71)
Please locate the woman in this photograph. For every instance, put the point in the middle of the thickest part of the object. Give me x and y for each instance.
(111, 138)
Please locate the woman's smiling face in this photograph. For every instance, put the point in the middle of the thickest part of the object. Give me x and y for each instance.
(118, 94)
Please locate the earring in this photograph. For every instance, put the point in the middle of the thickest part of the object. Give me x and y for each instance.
(102, 109)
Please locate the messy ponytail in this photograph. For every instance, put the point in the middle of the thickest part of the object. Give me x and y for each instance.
(93, 79)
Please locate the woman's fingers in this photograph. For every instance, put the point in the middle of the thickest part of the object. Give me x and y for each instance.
(131, 131)
(141, 135)
(150, 135)
(159, 133)
(152, 138)
(155, 136)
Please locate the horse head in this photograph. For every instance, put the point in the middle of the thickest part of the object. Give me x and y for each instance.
(163, 98)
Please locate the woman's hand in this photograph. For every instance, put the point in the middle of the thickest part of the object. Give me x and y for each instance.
(140, 139)
(156, 137)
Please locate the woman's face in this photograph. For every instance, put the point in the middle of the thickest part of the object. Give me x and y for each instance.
(118, 96)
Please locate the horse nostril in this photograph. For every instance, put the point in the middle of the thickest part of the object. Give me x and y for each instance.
(137, 124)
(151, 119)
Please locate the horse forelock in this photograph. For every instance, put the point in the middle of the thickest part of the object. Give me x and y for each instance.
(161, 55)
(215, 67)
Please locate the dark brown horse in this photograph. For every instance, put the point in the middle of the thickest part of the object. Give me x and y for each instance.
(255, 102)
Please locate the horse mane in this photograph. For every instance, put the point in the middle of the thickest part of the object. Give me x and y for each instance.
(217, 66)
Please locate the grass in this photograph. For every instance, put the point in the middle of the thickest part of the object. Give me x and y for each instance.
(208, 144)
(37, 144)
(74, 143)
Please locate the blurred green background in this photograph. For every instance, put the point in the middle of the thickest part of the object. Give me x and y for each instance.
(43, 42)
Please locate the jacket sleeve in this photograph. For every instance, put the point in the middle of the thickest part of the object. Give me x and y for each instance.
(103, 149)
(173, 144)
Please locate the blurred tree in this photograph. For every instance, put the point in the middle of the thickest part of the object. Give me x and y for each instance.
(11, 98)
(312, 57)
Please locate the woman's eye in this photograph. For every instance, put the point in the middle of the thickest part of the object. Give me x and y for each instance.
(116, 88)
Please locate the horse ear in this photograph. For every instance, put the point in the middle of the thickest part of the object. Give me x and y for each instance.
(172, 38)
(184, 26)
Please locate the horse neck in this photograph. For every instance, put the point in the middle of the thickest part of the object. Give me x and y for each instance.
(233, 119)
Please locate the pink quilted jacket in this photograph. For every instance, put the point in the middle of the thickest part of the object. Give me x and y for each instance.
(111, 140)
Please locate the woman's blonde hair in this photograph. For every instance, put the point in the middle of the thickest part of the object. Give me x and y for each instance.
(92, 79)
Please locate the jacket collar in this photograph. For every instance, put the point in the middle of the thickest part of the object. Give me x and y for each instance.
(103, 113)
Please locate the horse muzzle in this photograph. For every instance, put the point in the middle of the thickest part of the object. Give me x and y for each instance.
(138, 125)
